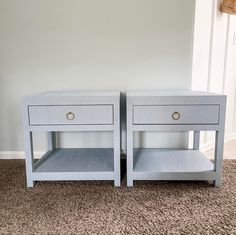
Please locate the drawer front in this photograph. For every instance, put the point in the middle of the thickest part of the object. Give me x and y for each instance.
(178, 114)
(71, 115)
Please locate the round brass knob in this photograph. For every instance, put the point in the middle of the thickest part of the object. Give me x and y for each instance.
(176, 115)
(70, 116)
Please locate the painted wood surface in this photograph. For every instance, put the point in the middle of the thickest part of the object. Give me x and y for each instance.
(93, 111)
(60, 115)
(164, 114)
(166, 160)
(152, 111)
(77, 160)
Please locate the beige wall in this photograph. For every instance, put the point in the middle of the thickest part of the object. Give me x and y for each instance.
(90, 45)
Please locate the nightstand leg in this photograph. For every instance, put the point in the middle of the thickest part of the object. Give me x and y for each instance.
(219, 149)
(51, 141)
(117, 157)
(130, 151)
(196, 140)
(29, 158)
(116, 140)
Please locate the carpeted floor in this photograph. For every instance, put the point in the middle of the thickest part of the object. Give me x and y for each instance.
(100, 208)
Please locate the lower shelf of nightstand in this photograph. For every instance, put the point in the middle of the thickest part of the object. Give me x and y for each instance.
(76, 164)
(166, 164)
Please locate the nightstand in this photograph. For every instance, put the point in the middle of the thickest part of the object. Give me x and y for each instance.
(174, 111)
(53, 112)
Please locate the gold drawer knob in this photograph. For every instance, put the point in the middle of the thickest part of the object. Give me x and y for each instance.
(176, 115)
(70, 116)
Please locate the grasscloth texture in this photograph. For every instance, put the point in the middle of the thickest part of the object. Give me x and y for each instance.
(100, 208)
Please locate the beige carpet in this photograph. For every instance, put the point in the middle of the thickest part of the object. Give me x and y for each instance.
(100, 208)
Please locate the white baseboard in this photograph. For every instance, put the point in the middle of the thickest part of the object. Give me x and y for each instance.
(18, 155)
(211, 144)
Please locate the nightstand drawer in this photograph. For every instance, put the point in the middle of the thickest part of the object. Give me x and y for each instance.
(177, 114)
(71, 115)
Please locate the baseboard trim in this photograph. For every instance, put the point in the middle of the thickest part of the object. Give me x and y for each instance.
(211, 144)
(7, 155)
